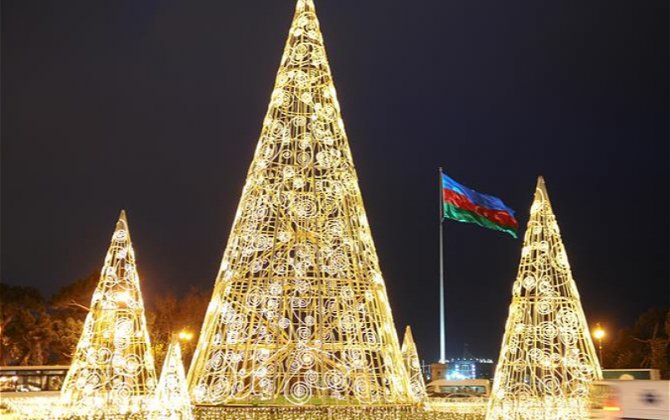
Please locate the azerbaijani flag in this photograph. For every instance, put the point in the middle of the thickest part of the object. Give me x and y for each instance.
(465, 205)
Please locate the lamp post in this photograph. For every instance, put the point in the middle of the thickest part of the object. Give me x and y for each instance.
(599, 334)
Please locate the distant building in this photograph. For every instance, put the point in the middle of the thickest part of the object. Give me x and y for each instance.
(466, 367)
(469, 368)
(462, 368)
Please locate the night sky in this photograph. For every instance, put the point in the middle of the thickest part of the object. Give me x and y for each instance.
(156, 107)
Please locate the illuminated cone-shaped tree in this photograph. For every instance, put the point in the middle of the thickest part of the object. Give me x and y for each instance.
(547, 359)
(411, 358)
(112, 370)
(299, 312)
(172, 401)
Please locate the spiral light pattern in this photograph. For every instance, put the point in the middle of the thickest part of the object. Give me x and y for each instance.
(547, 359)
(112, 370)
(171, 400)
(410, 357)
(299, 312)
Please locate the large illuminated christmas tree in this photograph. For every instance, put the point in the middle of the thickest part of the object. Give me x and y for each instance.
(112, 370)
(410, 357)
(299, 312)
(547, 360)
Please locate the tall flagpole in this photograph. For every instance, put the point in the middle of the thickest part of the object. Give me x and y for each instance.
(443, 339)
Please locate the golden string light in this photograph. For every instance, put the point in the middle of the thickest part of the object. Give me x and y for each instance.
(299, 313)
(397, 412)
(172, 400)
(112, 370)
(410, 358)
(547, 360)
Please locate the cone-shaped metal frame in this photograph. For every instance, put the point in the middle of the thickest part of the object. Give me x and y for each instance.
(410, 357)
(547, 359)
(112, 370)
(172, 400)
(299, 312)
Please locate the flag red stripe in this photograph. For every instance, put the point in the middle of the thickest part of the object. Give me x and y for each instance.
(498, 217)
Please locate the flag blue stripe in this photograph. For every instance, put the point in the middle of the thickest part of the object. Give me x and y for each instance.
(483, 200)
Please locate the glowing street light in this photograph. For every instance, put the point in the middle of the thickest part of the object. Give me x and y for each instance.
(185, 335)
(599, 334)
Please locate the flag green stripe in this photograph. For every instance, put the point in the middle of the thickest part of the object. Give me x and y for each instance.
(461, 215)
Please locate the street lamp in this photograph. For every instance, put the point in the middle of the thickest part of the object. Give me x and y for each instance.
(599, 334)
(185, 335)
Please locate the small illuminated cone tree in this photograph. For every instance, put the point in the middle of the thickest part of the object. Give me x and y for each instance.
(112, 370)
(410, 357)
(299, 312)
(547, 360)
(172, 400)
